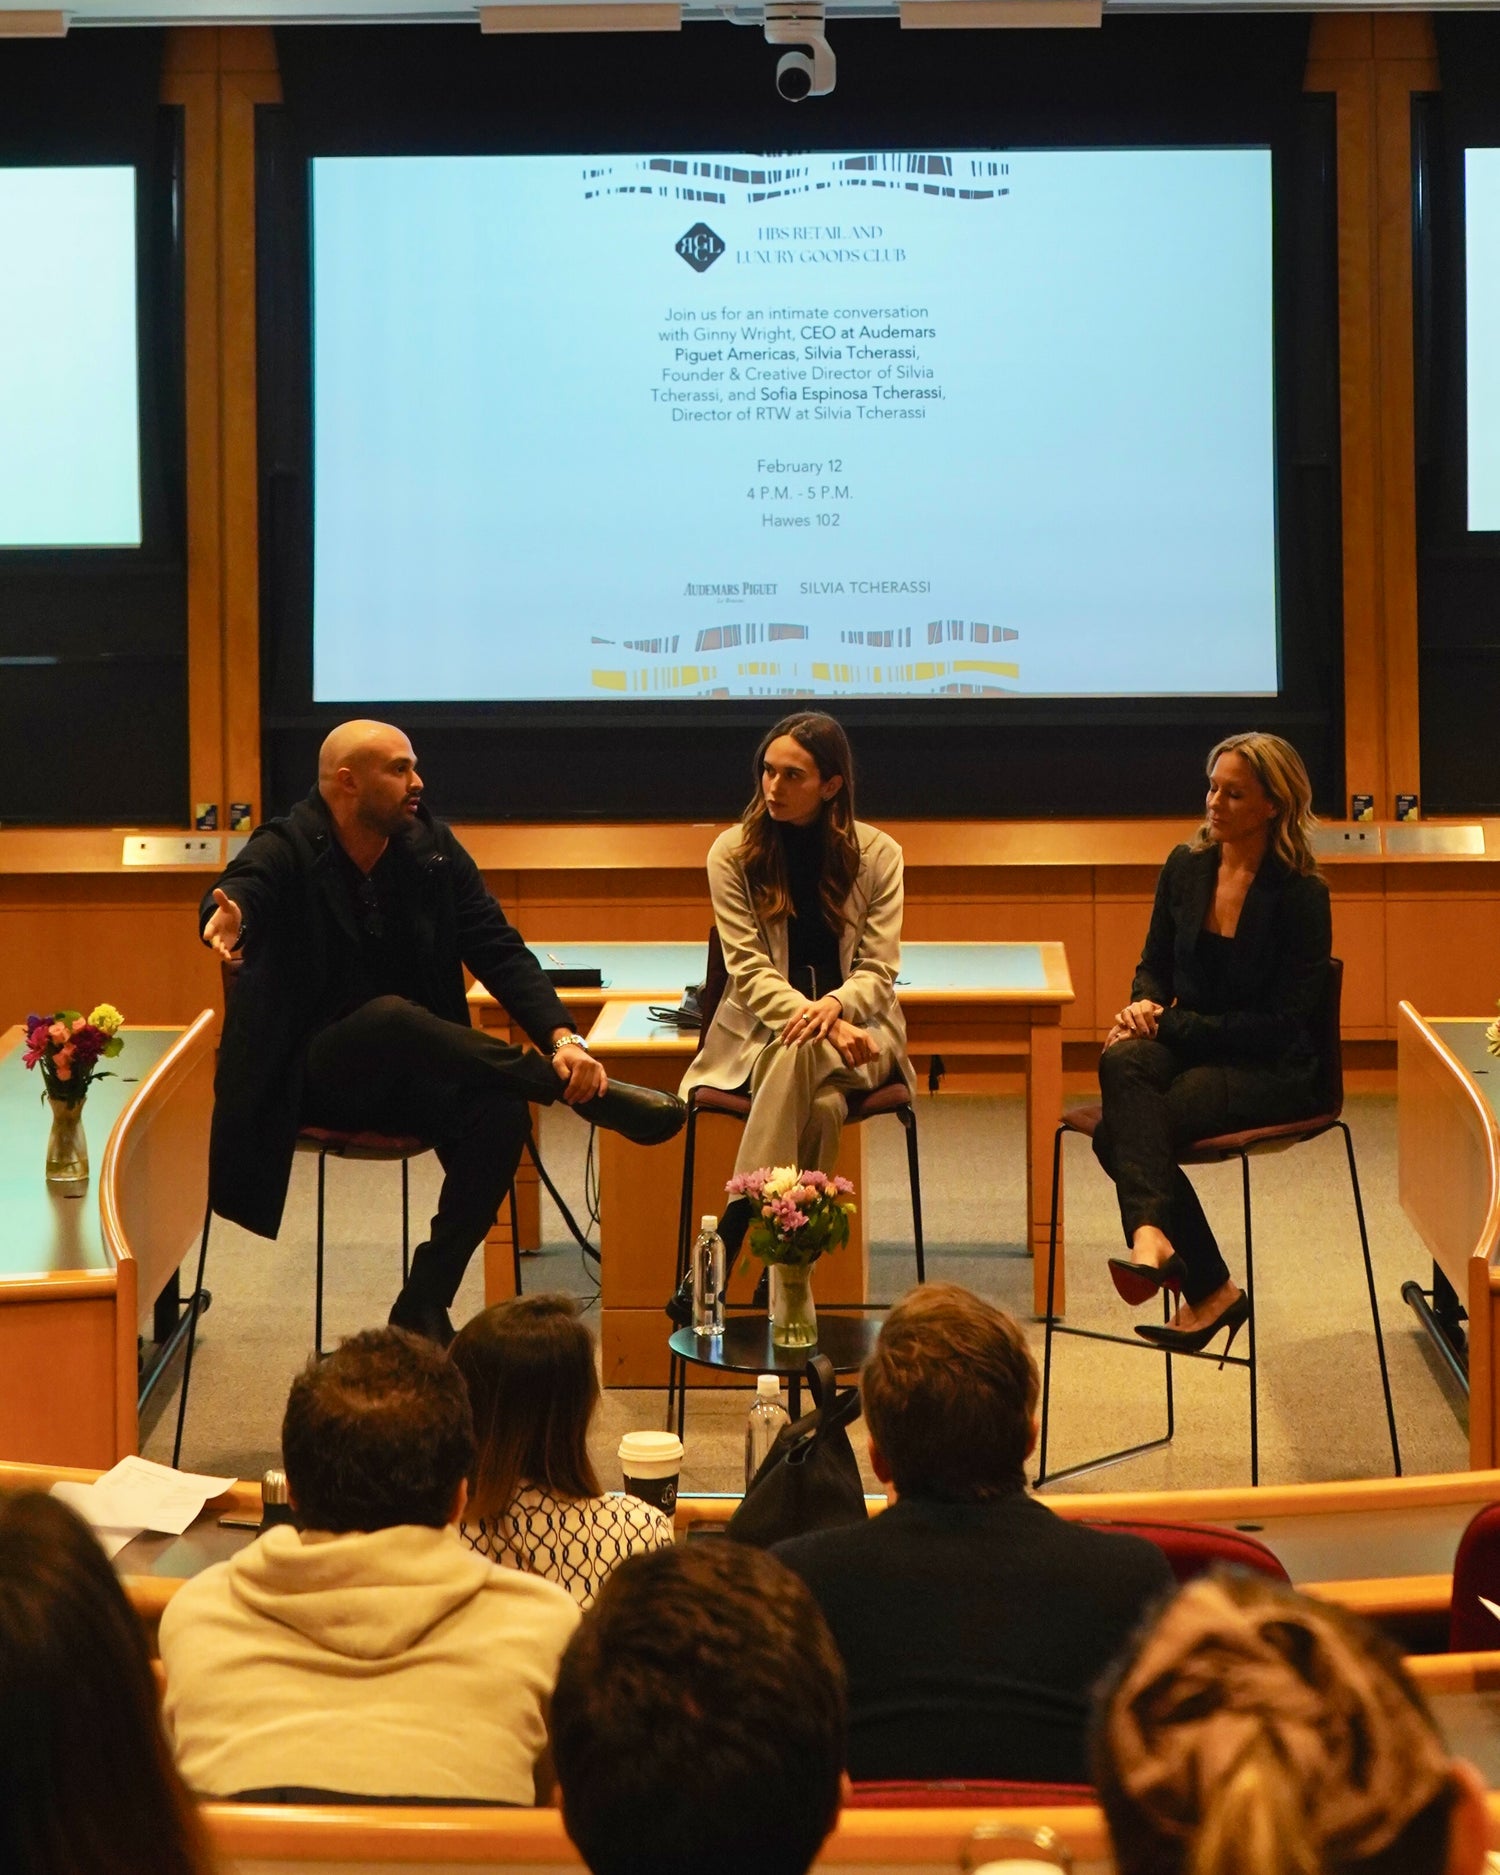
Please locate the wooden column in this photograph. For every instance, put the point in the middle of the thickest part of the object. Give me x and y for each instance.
(218, 76)
(1373, 63)
(247, 77)
(190, 80)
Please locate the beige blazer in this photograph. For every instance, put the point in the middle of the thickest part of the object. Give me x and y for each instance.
(759, 1000)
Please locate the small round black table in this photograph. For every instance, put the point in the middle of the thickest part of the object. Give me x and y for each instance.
(746, 1347)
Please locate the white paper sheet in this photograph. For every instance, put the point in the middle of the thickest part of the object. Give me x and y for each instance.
(155, 1496)
(84, 1499)
(138, 1494)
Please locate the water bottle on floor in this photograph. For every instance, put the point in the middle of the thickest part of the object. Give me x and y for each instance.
(767, 1417)
(708, 1279)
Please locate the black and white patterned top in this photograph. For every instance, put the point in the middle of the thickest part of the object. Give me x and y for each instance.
(573, 1541)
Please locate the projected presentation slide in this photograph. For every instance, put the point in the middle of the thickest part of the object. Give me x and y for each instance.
(880, 423)
(69, 427)
(1482, 263)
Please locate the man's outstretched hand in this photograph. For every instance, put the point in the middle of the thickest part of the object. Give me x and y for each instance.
(223, 929)
(584, 1075)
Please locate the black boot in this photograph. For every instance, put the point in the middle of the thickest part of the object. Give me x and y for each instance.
(643, 1115)
(422, 1315)
(422, 1306)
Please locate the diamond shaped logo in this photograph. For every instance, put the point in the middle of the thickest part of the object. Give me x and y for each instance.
(700, 247)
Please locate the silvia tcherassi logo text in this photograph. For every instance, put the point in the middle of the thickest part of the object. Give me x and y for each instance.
(700, 247)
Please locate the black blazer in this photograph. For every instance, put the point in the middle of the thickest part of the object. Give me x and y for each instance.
(299, 937)
(1278, 974)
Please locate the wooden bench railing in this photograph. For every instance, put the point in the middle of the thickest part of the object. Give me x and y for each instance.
(254, 1838)
(1413, 1608)
(249, 1838)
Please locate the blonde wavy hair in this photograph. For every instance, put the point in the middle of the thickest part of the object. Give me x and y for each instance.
(1253, 1732)
(1281, 771)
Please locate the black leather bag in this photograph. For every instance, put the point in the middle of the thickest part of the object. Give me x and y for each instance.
(809, 1480)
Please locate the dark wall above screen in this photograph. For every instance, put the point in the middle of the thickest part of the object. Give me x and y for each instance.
(990, 400)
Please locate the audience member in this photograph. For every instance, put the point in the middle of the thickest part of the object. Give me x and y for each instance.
(534, 1498)
(973, 1621)
(698, 1720)
(1253, 1732)
(87, 1786)
(367, 1653)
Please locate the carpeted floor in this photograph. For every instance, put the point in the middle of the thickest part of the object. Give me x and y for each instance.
(1321, 1413)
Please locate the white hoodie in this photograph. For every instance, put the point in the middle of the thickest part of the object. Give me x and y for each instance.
(391, 1663)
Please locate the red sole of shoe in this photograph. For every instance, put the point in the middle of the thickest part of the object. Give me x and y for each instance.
(1136, 1289)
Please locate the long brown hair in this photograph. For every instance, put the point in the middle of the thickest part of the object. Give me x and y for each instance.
(529, 1367)
(760, 850)
(1280, 770)
(87, 1783)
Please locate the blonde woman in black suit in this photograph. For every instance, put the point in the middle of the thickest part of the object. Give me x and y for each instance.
(1221, 1029)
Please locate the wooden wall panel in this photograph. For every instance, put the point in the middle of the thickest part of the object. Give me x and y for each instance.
(1122, 913)
(1359, 938)
(668, 905)
(51, 1354)
(132, 941)
(1442, 953)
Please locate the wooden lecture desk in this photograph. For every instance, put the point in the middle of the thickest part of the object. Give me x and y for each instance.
(974, 999)
(1448, 1161)
(81, 1269)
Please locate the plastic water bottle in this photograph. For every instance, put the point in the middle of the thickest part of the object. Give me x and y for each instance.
(767, 1417)
(708, 1279)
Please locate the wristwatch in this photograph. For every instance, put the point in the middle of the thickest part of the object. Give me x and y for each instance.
(570, 1041)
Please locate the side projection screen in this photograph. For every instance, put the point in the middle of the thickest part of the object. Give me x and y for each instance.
(70, 471)
(874, 424)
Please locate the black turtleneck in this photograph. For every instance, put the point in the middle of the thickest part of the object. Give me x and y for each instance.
(811, 945)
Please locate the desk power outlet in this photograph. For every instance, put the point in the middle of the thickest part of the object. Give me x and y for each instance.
(186, 849)
(1353, 839)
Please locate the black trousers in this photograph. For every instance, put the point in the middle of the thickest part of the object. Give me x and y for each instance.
(1154, 1104)
(394, 1067)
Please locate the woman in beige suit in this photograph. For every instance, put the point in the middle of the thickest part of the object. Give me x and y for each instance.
(807, 900)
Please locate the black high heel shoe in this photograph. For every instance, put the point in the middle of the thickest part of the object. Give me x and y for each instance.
(1136, 1283)
(1195, 1340)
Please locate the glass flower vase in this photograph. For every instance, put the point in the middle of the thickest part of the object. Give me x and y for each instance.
(67, 1149)
(794, 1320)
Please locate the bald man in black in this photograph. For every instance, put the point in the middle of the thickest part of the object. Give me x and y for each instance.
(352, 920)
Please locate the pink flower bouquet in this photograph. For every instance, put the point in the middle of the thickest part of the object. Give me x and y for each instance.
(68, 1048)
(795, 1217)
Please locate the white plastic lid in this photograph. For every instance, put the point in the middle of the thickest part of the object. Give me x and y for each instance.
(709, 1224)
(650, 1454)
(768, 1387)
